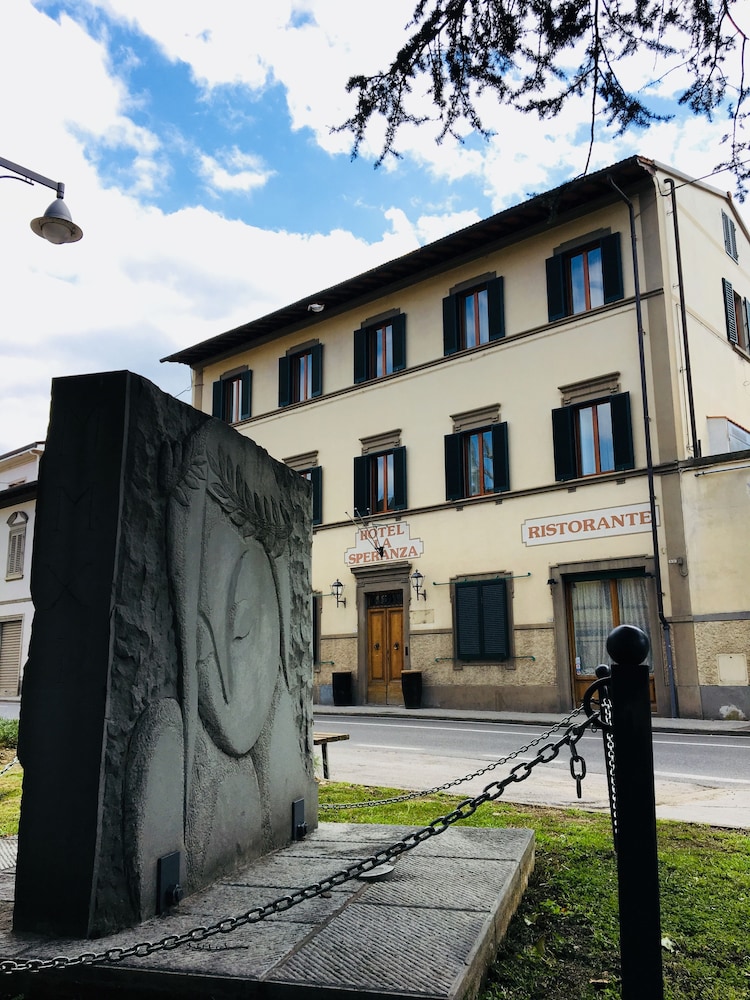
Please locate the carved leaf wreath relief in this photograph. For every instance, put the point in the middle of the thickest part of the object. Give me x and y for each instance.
(254, 516)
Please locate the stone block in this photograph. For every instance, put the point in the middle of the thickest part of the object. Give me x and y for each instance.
(166, 704)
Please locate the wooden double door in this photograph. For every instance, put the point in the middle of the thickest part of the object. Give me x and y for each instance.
(385, 648)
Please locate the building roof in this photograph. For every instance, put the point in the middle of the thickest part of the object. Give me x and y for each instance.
(505, 227)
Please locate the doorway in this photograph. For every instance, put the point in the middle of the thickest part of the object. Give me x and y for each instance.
(594, 606)
(385, 647)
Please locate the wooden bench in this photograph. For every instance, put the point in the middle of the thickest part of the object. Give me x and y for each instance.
(322, 740)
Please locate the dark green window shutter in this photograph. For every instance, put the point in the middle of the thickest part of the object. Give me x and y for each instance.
(361, 485)
(285, 384)
(729, 312)
(468, 622)
(316, 353)
(316, 478)
(495, 620)
(500, 457)
(454, 467)
(360, 356)
(612, 268)
(450, 324)
(730, 236)
(622, 432)
(496, 308)
(399, 478)
(482, 627)
(564, 444)
(218, 400)
(398, 324)
(557, 306)
(247, 394)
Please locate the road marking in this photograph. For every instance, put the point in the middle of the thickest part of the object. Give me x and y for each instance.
(699, 777)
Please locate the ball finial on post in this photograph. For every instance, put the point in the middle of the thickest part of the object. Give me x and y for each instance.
(628, 644)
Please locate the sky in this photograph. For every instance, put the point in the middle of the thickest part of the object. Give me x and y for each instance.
(195, 143)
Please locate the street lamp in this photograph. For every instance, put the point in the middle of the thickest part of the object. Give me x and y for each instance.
(56, 225)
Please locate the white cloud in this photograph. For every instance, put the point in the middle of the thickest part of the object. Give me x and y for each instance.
(239, 171)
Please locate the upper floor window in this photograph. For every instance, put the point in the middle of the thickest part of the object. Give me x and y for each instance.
(16, 544)
(380, 476)
(476, 462)
(730, 236)
(232, 396)
(584, 277)
(482, 619)
(593, 437)
(307, 466)
(473, 315)
(314, 476)
(301, 374)
(737, 314)
(380, 348)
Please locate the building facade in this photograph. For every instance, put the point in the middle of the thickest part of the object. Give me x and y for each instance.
(518, 437)
(18, 478)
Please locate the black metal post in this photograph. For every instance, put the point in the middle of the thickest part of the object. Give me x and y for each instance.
(637, 855)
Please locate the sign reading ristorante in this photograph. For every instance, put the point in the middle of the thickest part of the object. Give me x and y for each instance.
(627, 520)
(386, 541)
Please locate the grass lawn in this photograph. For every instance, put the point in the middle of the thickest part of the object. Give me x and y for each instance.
(563, 942)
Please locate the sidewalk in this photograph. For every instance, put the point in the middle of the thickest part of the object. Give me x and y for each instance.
(708, 727)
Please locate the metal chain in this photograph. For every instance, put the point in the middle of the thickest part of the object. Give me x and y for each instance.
(407, 796)
(464, 809)
(8, 766)
(609, 759)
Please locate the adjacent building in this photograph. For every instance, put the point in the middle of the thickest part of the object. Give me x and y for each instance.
(18, 479)
(516, 438)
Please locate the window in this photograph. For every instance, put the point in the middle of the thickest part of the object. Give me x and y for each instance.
(593, 437)
(730, 236)
(232, 396)
(315, 476)
(482, 621)
(476, 462)
(380, 348)
(380, 482)
(737, 313)
(584, 277)
(473, 316)
(16, 544)
(301, 375)
(10, 657)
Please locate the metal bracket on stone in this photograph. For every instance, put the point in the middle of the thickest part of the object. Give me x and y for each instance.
(169, 892)
(299, 826)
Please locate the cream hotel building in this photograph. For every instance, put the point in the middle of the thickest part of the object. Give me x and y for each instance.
(518, 437)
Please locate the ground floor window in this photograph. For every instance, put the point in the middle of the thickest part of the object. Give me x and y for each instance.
(10, 656)
(481, 613)
(596, 605)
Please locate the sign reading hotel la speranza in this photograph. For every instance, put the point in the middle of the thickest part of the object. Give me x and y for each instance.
(386, 541)
(628, 520)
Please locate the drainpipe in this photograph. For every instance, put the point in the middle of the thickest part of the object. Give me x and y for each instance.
(696, 445)
(649, 459)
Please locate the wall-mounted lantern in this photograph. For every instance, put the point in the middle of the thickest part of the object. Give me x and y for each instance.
(336, 589)
(417, 582)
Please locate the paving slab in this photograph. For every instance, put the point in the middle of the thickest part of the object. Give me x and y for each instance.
(428, 929)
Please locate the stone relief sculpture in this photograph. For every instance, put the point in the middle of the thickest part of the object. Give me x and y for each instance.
(208, 712)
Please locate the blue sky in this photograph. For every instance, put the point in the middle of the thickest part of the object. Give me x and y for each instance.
(195, 142)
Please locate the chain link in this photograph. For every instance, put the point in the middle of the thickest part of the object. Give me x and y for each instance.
(408, 796)
(8, 766)
(463, 810)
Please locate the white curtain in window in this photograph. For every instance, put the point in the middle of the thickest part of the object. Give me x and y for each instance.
(591, 605)
(633, 601)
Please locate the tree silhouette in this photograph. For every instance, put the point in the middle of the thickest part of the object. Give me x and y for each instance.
(536, 57)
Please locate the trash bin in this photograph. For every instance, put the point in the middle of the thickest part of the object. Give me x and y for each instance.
(411, 685)
(341, 682)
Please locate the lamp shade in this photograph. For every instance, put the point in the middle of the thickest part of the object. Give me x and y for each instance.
(56, 225)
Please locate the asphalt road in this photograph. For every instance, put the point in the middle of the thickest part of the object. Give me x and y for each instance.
(698, 777)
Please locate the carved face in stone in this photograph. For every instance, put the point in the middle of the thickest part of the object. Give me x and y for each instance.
(238, 639)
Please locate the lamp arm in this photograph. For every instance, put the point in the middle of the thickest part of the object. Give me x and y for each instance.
(31, 176)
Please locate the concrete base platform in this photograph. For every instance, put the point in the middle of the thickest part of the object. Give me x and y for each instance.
(428, 929)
